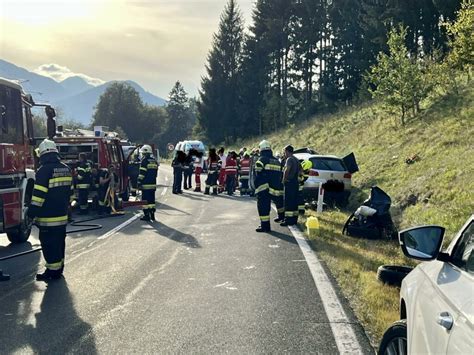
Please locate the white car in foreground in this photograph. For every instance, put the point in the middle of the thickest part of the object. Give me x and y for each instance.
(437, 297)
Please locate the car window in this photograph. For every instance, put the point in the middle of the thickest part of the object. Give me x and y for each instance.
(463, 254)
(328, 164)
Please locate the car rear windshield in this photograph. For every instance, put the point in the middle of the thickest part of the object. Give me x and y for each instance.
(71, 152)
(330, 164)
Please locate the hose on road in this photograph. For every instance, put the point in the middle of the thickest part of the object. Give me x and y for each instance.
(79, 223)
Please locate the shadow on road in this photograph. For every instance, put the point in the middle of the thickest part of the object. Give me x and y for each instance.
(162, 208)
(195, 197)
(283, 236)
(175, 235)
(45, 322)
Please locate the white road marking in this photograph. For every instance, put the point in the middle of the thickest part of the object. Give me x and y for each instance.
(164, 191)
(119, 227)
(88, 249)
(341, 327)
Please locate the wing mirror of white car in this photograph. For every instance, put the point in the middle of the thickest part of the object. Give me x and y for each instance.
(422, 243)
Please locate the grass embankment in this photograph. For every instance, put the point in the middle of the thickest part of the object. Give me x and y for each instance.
(437, 189)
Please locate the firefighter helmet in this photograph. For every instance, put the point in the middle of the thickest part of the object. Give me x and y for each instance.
(146, 149)
(306, 165)
(264, 145)
(47, 146)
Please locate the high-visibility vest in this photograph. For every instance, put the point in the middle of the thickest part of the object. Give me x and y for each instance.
(245, 166)
(231, 167)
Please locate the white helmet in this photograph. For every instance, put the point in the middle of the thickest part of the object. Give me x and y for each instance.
(146, 149)
(264, 145)
(47, 146)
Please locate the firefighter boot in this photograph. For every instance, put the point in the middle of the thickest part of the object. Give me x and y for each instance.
(280, 218)
(152, 214)
(48, 275)
(264, 227)
(146, 216)
(206, 192)
(197, 189)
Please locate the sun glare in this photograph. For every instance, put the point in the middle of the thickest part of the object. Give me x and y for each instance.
(47, 12)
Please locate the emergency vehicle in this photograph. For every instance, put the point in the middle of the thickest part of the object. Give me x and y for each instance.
(102, 147)
(17, 160)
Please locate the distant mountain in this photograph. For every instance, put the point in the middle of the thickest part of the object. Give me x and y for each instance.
(74, 97)
(42, 88)
(80, 107)
(75, 85)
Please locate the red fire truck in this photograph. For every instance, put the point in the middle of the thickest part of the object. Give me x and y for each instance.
(102, 148)
(17, 163)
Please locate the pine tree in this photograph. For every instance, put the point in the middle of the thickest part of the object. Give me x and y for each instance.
(398, 77)
(180, 120)
(218, 105)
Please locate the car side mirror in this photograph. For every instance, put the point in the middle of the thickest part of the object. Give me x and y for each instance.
(422, 243)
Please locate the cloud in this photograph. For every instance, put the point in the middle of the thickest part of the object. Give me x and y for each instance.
(60, 73)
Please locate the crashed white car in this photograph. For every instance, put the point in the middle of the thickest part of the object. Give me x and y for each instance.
(437, 297)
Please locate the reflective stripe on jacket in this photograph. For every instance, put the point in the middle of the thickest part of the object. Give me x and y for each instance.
(148, 173)
(51, 192)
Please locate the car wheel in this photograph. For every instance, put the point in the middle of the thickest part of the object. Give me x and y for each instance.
(394, 340)
(392, 274)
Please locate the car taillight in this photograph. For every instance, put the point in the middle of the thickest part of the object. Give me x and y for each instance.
(313, 173)
(347, 176)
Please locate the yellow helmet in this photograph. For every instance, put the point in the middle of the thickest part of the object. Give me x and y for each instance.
(265, 145)
(306, 164)
(47, 146)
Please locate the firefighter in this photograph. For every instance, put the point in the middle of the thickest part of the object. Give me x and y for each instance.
(268, 186)
(214, 167)
(230, 172)
(178, 164)
(107, 179)
(198, 166)
(49, 207)
(147, 182)
(83, 183)
(244, 174)
(306, 166)
(291, 173)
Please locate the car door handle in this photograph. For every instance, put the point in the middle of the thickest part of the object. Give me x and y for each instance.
(445, 320)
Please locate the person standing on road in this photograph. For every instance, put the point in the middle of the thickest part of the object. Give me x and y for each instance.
(188, 169)
(306, 166)
(230, 173)
(147, 182)
(213, 169)
(84, 180)
(244, 173)
(267, 185)
(198, 166)
(291, 173)
(223, 160)
(177, 165)
(49, 208)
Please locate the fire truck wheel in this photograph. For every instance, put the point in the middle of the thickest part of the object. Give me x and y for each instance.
(21, 233)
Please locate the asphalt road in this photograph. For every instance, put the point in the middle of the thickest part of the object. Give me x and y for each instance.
(199, 280)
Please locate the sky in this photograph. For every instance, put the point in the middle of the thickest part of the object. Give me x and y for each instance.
(153, 42)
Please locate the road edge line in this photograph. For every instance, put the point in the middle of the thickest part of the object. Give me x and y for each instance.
(341, 327)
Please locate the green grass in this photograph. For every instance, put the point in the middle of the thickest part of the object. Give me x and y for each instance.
(441, 183)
